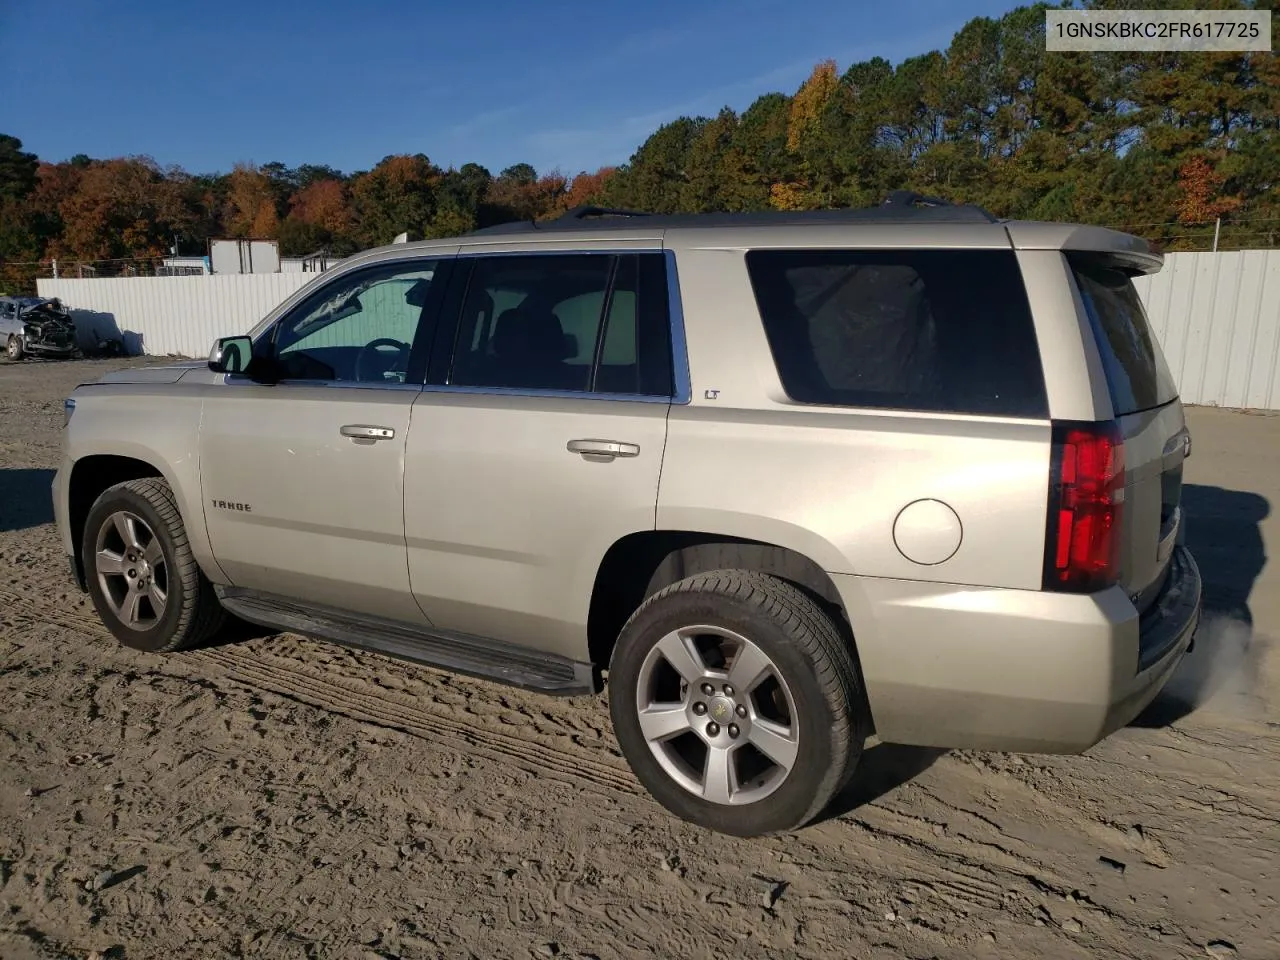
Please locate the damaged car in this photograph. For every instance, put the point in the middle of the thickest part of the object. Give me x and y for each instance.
(38, 327)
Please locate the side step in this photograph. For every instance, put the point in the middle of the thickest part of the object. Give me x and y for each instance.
(495, 660)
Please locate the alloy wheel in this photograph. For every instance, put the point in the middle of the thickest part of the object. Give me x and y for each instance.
(131, 570)
(717, 714)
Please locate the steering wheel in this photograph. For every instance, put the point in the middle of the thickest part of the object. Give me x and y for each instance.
(376, 349)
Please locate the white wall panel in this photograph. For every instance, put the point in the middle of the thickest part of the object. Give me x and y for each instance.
(1217, 316)
(179, 316)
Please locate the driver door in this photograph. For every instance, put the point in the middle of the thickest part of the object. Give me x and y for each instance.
(303, 479)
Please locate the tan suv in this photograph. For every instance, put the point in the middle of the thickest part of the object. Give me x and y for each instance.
(783, 480)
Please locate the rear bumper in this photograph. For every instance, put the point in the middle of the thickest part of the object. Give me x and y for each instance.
(969, 667)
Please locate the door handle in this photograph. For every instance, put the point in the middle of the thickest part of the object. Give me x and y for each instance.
(607, 449)
(361, 431)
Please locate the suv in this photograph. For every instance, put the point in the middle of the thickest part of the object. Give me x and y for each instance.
(784, 480)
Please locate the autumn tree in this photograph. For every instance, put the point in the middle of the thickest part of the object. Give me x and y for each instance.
(587, 189)
(805, 128)
(20, 244)
(251, 203)
(1200, 198)
(323, 203)
(518, 193)
(319, 217)
(125, 208)
(396, 196)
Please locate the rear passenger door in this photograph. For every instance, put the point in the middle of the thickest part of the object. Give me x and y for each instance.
(538, 440)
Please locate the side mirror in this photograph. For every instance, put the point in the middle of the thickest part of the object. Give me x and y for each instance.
(231, 355)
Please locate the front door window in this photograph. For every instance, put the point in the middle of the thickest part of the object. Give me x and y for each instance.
(360, 328)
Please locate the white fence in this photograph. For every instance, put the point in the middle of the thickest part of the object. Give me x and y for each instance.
(1217, 316)
(179, 316)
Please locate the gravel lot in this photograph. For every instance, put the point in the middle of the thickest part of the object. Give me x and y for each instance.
(278, 797)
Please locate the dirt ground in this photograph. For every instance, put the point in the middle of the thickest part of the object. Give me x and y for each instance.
(278, 797)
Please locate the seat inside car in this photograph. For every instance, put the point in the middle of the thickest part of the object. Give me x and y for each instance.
(530, 348)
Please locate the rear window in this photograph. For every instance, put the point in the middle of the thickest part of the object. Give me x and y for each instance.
(1137, 376)
(921, 330)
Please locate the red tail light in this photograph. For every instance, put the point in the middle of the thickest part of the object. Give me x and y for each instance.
(1086, 500)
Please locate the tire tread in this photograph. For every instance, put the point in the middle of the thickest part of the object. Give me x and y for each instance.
(202, 615)
(819, 638)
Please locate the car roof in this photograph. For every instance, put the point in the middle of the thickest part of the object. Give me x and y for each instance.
(905, 218)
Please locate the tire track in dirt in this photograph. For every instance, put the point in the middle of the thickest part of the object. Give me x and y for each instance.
(259, 670)
(361, 701)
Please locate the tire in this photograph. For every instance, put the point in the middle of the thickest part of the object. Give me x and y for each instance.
(807, 708)
(13, 349)
(189, 612)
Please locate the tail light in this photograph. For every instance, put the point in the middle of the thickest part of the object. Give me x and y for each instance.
(1086, 502)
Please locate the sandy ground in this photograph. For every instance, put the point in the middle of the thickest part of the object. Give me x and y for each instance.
(278, 797)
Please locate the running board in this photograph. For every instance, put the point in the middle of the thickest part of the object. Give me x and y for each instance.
(495, 660)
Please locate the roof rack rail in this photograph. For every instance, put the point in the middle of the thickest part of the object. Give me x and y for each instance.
(909, 198)
(898, 207)
(920, 202)
(587, 210)
(576, 215)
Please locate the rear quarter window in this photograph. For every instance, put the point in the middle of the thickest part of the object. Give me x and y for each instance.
(1138, 377)
(946, 331)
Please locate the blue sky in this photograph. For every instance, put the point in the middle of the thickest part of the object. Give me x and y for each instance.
(565, 85)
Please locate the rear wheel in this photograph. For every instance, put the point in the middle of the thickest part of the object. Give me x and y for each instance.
(13, 349)
(141, 574)
(737, 702)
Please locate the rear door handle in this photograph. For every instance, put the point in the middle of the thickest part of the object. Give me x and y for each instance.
(603, 448)
(363, 431)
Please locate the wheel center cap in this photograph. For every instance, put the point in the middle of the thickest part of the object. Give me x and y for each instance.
(720, 709)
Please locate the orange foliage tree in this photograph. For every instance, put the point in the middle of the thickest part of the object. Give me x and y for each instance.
(251, 204)
(117, 208)
(1199, 198)
(586, 188)
(323, 203)
(804, 123)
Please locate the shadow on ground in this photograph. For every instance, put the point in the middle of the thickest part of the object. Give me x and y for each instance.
(26, 499)
(1225, 535)
(234, 632)
(883, 768)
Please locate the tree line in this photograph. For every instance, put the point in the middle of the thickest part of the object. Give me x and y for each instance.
(1163, 144)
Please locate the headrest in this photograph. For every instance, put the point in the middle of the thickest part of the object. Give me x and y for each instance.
(526, 331)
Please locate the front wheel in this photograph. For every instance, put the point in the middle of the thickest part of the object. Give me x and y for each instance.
(141, 574)
(737, 702)
(13, 349)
